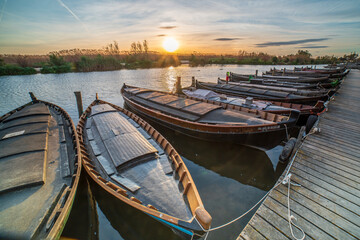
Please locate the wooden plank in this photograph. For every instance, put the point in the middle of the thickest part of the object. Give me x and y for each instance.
(266, 229)
(281, 224)
(249, 233)
(330, 171)
(333, 163)
(316, 219)
(329, 186)
(321, 190)
(330, 178)
(325, 151)
(332, 157)
(311, 230)
(314, 205)
(333, 138)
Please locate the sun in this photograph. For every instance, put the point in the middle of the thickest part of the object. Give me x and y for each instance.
(170, 44)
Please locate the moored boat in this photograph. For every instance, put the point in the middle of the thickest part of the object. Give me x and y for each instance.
(266, 106)
(209, 121)
(232, 89)
(129, 159)
(39, 171)
(235, 77)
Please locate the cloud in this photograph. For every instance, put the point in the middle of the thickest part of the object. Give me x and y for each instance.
(313, 47)
(226, 39)
(161, 35)
(72, 13)
(168, 27)
(294, 42)
(2, 10)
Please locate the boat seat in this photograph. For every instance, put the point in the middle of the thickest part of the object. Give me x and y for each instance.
(101, 108)
(106, 165)
(31, 110)
(149, 94)
(168, 110)
(123, 142)
(26, 120)
(127, 183)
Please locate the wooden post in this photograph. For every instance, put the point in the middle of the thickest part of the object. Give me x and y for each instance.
(284, 71)
(97, 96)
(273, 72)
(256, 73)
(178, 85)
(79, 103)
(33, 98)
(193, 84)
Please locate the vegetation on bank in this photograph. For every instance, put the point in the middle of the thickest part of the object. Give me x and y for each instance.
(139, 56)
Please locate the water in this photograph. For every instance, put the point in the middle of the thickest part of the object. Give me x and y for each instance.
(230, 178)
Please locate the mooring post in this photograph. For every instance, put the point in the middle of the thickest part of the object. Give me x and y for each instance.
(273, 71)
(256, 73)
(79, 103)
(33, 98)
(178, 85)
(193, 84)
(284, 71)
(97, 96)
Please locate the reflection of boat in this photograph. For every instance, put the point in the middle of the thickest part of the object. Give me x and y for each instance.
(130, 223)
(209, 121)
(39, 171)
(130, 160)
(246, 165)
(83, 221)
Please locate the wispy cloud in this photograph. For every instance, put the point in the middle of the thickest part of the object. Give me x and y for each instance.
(72, 13)
(226, 39)
(161, 35)
(294, 42)
(313, 47)
(2, 10)
(168, 27)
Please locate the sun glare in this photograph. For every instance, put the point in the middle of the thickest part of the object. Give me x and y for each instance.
(170, 44)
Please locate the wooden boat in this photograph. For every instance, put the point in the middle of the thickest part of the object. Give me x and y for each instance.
(266, 106)
(311, 74)
(302, 92)
(129, 159)
(209, 121)
(264, 94)
(40, 170)
(234, 77)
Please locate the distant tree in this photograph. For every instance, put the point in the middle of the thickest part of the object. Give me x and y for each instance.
(146, 47)
(133, 48)
(139, 47)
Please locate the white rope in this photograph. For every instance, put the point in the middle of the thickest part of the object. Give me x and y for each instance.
(287, 134)
(291, 218)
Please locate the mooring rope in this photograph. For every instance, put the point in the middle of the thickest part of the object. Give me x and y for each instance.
(286, 180)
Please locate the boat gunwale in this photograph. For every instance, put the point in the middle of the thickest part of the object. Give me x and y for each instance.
(59, 224)
(119, 192)
(228, 128)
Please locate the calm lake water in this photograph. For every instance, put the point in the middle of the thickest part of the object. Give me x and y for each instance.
(230, 178)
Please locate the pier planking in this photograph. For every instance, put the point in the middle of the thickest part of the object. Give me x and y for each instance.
(327, 167)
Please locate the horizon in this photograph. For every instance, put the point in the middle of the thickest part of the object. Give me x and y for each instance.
(274, 27)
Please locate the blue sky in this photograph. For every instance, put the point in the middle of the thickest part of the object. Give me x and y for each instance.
(213, 26)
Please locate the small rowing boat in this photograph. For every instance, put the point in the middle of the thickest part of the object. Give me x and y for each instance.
(39, 171)
(129, 159)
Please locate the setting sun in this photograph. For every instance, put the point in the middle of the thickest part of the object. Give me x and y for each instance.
(170, 44)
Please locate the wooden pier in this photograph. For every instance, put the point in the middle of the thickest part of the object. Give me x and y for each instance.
(327, 166)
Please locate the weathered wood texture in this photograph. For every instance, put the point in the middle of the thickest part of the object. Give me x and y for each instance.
(327, 165)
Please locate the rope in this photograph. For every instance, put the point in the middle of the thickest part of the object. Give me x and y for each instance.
(291, 218)
(287, 134)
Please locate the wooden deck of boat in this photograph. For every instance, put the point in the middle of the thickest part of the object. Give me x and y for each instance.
(327, 165)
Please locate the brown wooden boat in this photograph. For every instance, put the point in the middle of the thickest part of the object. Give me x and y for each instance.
(265, 94)
(39, 171)
(266, 106)
(235, 77)
(209, 121)
(134, 163)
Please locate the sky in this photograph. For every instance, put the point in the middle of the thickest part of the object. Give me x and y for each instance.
(279, 27)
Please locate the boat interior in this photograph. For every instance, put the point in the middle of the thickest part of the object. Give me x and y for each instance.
(36, 162)
(127, 156)
(192, 110)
